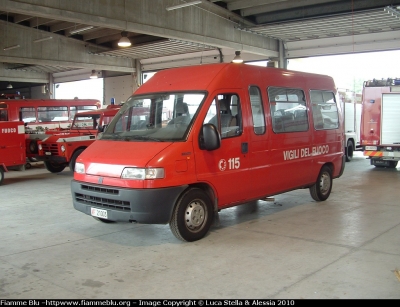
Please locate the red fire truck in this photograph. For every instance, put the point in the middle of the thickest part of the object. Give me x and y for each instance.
(380, 124)
(60, 150)
(42, 116)
(12, 147)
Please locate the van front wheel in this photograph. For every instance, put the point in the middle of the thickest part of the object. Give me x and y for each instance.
(192, 216)
(322, 188)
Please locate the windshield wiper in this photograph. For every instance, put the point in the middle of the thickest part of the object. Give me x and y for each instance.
(142, 138)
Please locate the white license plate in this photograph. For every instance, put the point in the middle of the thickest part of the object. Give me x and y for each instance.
(48, 153)
(371, 148)
(98, 213)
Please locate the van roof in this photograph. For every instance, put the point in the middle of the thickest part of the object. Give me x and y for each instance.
(206, 76)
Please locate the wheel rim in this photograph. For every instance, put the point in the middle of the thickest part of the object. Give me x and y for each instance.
(194, 215)
(324, 183)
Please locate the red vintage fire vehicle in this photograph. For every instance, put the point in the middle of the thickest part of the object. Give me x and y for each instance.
(12, 147)
(61, 150)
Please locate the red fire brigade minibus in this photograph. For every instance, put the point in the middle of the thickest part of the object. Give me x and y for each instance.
(215, 136)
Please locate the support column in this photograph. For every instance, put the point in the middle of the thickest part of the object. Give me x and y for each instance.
(282, 58)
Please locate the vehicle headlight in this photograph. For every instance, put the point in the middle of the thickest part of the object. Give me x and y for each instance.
(142, 173)
(40, 147)
(79, 168)
(62, 148)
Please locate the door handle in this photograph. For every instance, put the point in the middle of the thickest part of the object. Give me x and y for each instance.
(245, 148)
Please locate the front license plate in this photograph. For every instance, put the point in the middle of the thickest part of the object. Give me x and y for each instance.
(98, 213)
(48, 153)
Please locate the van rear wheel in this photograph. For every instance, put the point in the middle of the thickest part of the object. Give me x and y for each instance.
(192, 216)
(321, 190)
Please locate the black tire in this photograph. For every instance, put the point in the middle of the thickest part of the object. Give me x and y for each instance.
(103, 220)
(33, 147)
(322, 188)
(349, 151)
(74, 157)
(54, 167)
(193, 216)
(1, 175)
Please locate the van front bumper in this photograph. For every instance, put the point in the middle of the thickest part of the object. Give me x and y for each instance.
(147, 206)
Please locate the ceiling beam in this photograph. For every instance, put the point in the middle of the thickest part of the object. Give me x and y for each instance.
(195, 23)
(325, 9)
(59, 51)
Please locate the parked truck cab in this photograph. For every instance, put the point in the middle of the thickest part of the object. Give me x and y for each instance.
(214, 136)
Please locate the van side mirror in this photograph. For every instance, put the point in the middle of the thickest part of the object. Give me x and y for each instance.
(210, 139)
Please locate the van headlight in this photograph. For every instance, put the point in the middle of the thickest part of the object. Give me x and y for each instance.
(142, 173)
(79, 168)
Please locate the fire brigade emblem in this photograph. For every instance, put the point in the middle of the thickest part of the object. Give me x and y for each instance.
(222, 165)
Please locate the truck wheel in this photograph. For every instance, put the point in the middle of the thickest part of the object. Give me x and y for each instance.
(33, 147)
(1, 175)
(322, 188)
(349, 151)
(192, 216)
(54, 167)
(73, 159)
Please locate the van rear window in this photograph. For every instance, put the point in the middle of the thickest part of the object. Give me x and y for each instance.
(288, 109)
(324, 110)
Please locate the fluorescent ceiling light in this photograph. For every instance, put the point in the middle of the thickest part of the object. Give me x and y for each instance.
(93, 75)
(237, 58)
(170, 8)
(43, 39)
(11, 47)
(80, 30)
(124, 40)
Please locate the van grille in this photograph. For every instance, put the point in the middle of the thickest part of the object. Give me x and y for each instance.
(100, 190)
(103, 202)
(53, 148)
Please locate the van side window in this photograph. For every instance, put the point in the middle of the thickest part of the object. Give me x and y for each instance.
(225, 114)
(3, 116)
(257, 110)
(288, 109)
(324, 110)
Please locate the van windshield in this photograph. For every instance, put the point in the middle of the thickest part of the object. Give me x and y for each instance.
(157, 117)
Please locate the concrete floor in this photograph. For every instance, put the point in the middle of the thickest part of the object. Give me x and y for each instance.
(347, 247)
